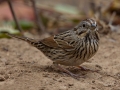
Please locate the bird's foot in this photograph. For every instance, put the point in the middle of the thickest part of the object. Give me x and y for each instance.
(75, 76)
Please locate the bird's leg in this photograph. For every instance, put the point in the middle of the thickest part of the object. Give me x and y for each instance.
(67, 71)
(86, 69)
(82, 68)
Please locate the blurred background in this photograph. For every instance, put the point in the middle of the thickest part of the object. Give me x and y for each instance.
(55, 16)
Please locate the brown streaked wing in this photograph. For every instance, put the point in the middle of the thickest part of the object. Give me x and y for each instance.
(50, 42)
(54, 44)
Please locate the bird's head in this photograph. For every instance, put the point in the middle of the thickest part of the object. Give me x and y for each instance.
(85, 26)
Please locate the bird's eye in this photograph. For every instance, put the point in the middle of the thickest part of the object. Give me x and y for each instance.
(84, 25)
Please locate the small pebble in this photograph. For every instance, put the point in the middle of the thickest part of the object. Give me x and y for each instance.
(2, 79)
(60, 81)
(54, 79)
(2, 72)
(98, 66)
(93, 87)
(93, 81)
(62, 87)
(5, 49)
(118, 75)
(6, 76)
(10, 72)
(70, 84)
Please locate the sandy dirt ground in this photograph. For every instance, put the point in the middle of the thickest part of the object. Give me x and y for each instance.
(23, 67)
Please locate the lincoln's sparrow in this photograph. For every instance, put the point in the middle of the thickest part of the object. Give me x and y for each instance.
(70, 48)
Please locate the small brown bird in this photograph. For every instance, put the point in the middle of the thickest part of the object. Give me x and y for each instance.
(70, 48)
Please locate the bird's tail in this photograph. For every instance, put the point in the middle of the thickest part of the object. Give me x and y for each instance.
(36, 43)
(29, 40)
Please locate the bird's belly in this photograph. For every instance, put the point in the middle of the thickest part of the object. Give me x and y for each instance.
(77, 60)
(68, 58)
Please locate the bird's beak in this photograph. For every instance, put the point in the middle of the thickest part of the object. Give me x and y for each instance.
(93, 26)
